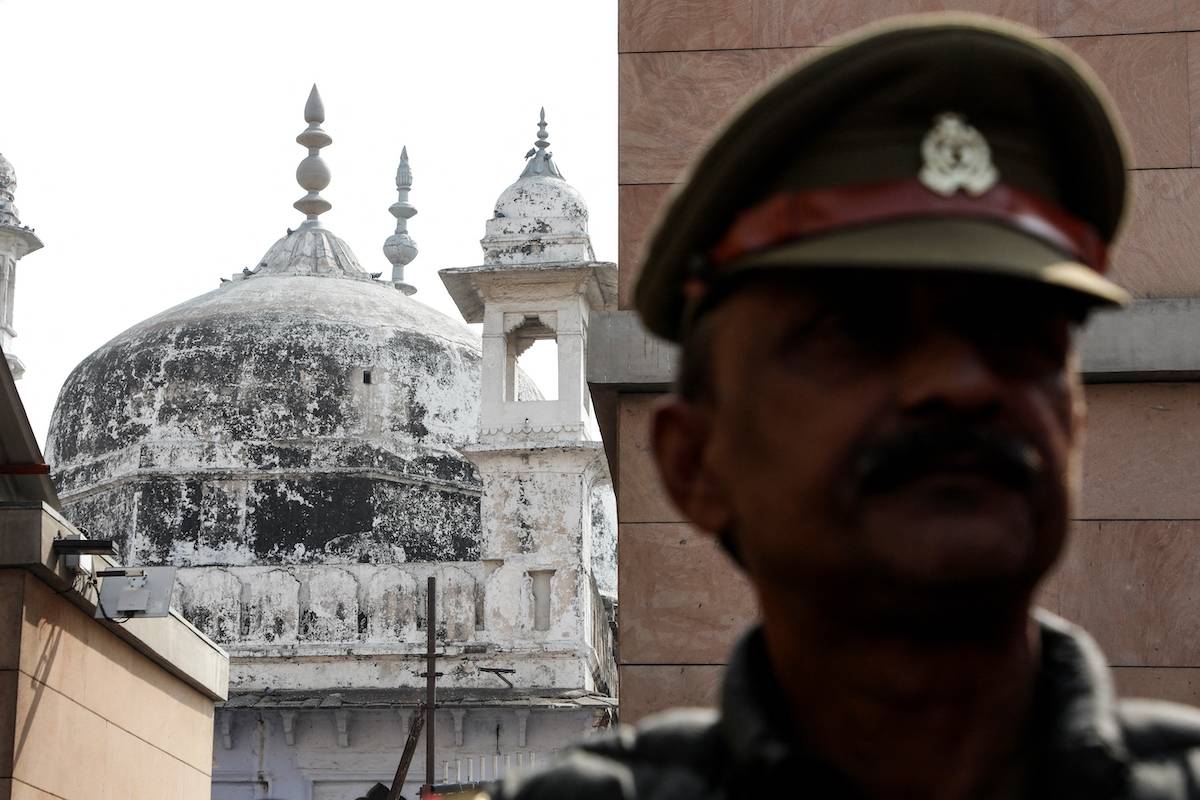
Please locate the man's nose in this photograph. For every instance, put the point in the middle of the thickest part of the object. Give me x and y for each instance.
(947, 370)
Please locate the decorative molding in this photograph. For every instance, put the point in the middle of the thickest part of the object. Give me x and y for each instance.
(459, 715)
(522, 715)
(289, 726)
(341, 720)
(515, 429)
(227, 730)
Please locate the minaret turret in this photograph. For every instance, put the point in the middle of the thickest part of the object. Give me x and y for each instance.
(16, 241)
(539, 462)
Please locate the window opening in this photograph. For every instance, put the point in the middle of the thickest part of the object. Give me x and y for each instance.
(531, 372)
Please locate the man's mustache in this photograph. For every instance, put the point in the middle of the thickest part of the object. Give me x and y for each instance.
(970, 448)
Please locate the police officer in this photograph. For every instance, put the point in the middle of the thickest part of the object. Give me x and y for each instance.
(876, 272)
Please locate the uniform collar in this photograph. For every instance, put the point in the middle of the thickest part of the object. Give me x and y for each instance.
(1075, 737)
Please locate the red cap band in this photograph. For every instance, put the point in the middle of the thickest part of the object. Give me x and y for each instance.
(796, 215)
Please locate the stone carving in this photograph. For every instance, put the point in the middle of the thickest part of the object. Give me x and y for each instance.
(274, 607)
(391, 606)
(456, 598)
(212, 601)
(329, 606)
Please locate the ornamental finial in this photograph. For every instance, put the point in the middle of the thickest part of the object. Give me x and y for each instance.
(313, 174)
(543, 139)
(400, 248)
(541, 160)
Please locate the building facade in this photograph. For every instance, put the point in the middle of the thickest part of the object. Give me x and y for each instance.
(1132, 574)
(305, 443)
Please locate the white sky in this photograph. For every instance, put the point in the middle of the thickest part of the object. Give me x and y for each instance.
(154, 142)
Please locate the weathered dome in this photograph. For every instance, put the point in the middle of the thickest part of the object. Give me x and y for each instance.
(295, 415)
(544, 197)
(540, 218)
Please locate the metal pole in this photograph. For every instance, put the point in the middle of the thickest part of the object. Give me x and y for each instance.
(430, 672)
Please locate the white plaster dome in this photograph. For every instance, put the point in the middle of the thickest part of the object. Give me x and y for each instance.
(540, 218)
(304, 413)
(544, 197)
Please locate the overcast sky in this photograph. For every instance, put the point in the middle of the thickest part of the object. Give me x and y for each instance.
(154, 142)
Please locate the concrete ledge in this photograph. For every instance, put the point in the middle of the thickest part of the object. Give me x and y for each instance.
(622, 355)
(1152, 340)
(27, 533)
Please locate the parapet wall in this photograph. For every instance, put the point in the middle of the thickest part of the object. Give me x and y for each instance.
(364, 625)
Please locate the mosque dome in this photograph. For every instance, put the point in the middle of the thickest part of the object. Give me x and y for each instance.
(540, 218)
(303, 412)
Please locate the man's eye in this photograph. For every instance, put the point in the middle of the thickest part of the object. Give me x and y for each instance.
(845, 338)
(1036, 346)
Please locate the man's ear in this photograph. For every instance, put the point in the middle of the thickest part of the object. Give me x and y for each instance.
(682, 438)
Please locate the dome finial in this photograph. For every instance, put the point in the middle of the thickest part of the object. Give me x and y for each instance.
(313, 174)
(541, 160)
(400, 248)
(543, 138)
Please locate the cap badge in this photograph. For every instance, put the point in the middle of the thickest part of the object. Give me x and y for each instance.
(956, 157)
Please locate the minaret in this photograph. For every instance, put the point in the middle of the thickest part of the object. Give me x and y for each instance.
(538, 460)
(16, 241)
(400, 248)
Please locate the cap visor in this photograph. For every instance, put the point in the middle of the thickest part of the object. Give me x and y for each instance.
(955, 245)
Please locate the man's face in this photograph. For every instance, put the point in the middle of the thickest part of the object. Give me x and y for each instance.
(888, 436)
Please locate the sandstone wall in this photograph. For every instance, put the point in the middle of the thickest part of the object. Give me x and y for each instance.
(84, 715)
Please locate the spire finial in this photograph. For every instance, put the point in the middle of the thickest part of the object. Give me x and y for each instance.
(543, 139)
(400, 248)
(313, 174)
(540, 158)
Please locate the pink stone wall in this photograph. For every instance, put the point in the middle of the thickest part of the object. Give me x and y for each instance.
(85, 715)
